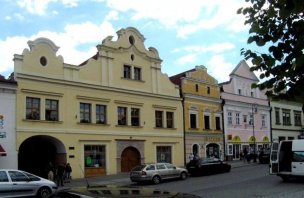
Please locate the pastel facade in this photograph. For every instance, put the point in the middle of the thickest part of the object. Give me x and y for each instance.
(287, 120)
(202, 113)
(104, 116)
(246, 113)
(8, 151)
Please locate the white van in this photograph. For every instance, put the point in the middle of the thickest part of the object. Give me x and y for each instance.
(287, 159)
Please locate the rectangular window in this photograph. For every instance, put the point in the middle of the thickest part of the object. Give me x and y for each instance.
(263, 117)
(95, 156)
(245, 118)
(237, 118)
(286, 117)
(122, 115)
(217, 123)
(170, 118)
(229, 118)
(137, 73)
(208, 90)
(297, 118)
(158, 119)
(135, 116)
(85, 113)
(163, 154)
(207, 121)
(251, 119)
(101, 114)
(127, 71)
(196, 87)
(51, 110)
(32, 108)
(193, 121)
(240, 91)
(277, 116)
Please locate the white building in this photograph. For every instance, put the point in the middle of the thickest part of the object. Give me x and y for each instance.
(287, 120)
(8, 152)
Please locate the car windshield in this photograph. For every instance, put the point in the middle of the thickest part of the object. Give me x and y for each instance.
(139, 168)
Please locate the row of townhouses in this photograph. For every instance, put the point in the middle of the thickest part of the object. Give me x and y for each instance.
(117, 110)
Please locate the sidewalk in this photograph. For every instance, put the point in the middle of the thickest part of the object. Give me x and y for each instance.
(124, 177)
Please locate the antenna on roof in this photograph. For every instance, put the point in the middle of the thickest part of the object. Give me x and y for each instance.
(88, 185)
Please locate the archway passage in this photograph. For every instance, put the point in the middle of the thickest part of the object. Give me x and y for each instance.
(36, 152)
(130, 158)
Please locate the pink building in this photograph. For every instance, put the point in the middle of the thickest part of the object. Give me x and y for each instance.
(246, 114)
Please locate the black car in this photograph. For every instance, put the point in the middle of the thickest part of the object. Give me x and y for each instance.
(117, 191)
(207, 166)
(264, 156)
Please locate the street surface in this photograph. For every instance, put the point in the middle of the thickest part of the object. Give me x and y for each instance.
(248, 181)
(251, 180)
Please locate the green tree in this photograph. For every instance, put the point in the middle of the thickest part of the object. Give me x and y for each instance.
(277, 25)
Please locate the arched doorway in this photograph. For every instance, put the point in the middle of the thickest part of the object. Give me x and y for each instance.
(212, 150)
(37, 151)
(130, 157)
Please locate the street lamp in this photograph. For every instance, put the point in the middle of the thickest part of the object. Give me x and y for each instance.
(254, 110)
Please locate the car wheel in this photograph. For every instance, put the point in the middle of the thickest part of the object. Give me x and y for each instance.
(156, 179)
(183, 175)
(44, 192)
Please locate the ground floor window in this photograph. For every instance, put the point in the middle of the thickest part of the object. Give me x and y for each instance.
(95, 155)
(212, 150)
(164, 154)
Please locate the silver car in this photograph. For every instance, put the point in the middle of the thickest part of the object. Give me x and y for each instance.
(157, 172)
(17, 183)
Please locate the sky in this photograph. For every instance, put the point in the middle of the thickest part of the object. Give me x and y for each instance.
(185, 33)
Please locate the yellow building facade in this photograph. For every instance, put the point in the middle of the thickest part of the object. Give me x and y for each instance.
(112, 112)
(202, 113)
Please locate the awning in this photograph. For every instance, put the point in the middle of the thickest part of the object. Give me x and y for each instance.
(2, 151)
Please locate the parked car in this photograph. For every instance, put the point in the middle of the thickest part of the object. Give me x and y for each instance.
(157, 172)
(264, 156)
(118, 191)
(17, 183)
(207, 166)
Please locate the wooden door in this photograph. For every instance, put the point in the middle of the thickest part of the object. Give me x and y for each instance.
(130, 158)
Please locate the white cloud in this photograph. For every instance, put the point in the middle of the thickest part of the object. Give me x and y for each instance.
(214, 48)
(187, 59)
(39, 7)
(112, 15)
(187, 17)
(219, 68)
(68, 41)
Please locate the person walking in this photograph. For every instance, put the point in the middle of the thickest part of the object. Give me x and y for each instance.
(59, 174)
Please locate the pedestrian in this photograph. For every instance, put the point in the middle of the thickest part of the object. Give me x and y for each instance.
(245, 153)
(59, 174)
(50, 170)
(191, 156)
(68, 171)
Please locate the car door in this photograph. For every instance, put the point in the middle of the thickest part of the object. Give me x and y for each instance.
(162, 171)
(297, 163)
(6, 185)
(172, 172)
(274, 160)
(21, 184)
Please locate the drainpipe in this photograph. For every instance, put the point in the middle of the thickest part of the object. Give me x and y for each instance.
(223, 125)
(270, 116)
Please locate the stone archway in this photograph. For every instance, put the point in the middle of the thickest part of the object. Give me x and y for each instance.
(37, 151)
(130, 157)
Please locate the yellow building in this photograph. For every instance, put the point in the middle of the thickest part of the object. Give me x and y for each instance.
(202, 113)
(104, 116)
